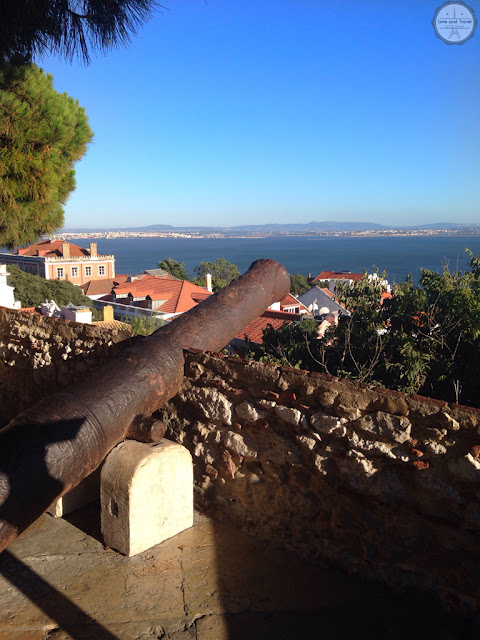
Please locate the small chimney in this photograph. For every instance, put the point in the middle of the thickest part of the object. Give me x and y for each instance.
(93, 249)
(65, 250)
(107, 313)
(208, 282)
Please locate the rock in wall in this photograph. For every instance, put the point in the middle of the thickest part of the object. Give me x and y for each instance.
(40, 356)
(383, 484)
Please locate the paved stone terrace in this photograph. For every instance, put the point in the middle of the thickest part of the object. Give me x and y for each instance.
(211, 582)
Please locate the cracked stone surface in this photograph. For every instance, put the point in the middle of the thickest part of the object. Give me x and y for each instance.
(211, 582)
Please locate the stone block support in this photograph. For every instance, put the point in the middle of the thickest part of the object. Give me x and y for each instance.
(146, 494)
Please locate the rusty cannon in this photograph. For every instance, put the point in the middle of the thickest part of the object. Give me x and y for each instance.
(50, 448)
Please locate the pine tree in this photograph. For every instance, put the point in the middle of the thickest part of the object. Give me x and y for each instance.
(42, 134)
(68, 27)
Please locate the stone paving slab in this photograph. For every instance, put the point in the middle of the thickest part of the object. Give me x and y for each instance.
(211, 582)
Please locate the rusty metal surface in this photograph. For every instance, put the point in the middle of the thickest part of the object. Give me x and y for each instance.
(48, 449)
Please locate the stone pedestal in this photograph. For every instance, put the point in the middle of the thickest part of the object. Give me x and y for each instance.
(146, 494)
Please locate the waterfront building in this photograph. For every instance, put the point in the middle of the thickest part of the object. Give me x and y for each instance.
(62, 260)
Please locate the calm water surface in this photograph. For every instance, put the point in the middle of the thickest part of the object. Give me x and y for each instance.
(399, 257)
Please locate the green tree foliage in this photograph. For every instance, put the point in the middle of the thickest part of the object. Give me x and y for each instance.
(176, 269)
(434, 335)
(142, 326)
(424, 339)
(288, 345)
(33, 290)
(43, 133)
(298, 284)
(68, 27)
(222, 272)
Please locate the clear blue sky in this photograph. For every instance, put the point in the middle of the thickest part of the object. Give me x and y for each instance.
(245, 111)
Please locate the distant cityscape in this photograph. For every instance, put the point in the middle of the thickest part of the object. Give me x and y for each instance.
(347, 229)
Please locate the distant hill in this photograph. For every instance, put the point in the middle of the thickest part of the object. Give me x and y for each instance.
(328, 226)
(313, 226)
(439, 226)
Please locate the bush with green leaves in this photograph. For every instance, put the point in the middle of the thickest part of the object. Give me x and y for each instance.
(143, 326)
(33, 290)
(424, 339)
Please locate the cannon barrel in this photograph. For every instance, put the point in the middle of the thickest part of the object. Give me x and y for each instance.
(48, 449)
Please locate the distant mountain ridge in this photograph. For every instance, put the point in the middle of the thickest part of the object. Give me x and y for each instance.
(329, 226)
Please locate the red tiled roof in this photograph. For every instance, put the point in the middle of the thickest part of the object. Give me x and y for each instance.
(30, 310)
(338, 275)
(114, 325)
(291, 301)
(156, 296)
(179, 295)
(53, 249)
(97, 287)
(327, 292)
(276, 319)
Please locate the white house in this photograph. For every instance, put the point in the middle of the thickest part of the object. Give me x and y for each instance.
(7, 299)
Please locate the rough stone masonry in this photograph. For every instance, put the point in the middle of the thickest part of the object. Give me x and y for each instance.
(381, 483)
(40, 356)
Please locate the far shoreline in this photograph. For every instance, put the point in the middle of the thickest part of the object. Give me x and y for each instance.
(119, 235)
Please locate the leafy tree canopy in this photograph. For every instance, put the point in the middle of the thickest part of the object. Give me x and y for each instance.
(42, 133)
(176, 269)
(33, 290)
(69, 28)
(222, 272)
(298, 284)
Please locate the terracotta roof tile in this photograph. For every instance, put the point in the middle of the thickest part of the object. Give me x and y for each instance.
(327, 292)
(291, 301)
(338, 275)
(179, 295)
(53, 249)
(276, 319)
(115, 325)
(105, 285)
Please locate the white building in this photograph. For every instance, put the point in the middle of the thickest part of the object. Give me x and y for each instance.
(7, 299)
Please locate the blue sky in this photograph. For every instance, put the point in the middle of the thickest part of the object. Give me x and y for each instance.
(234, 112)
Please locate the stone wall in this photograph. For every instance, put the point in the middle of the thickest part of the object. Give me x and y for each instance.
(40, 356)
(383, 484)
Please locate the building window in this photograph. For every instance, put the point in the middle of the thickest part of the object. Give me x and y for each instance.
(101, 270)
(59, 272)
(74, 272)
(88, 271)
